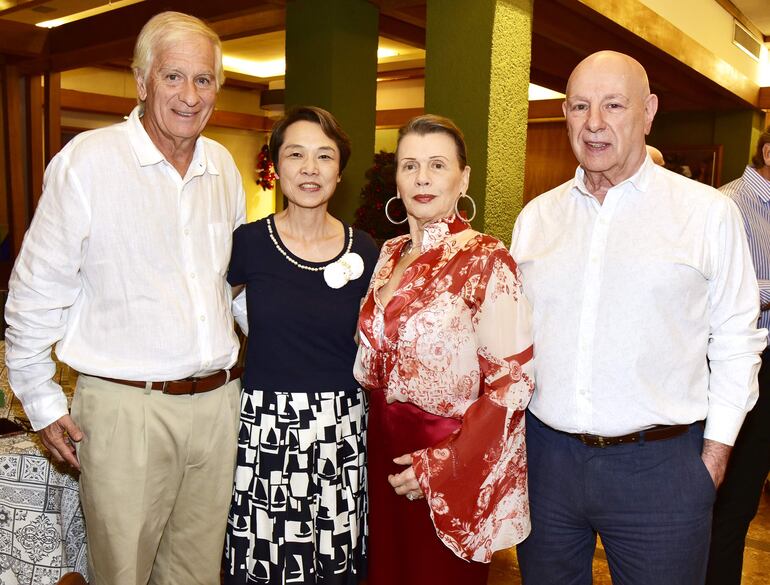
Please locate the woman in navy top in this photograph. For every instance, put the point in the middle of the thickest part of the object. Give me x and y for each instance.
(299, 502)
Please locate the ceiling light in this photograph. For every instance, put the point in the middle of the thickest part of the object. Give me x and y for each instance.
(384, 53)
(274, 68)
(537, 92)
(86, 13)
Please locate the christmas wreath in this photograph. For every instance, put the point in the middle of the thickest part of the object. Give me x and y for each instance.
(265, 174)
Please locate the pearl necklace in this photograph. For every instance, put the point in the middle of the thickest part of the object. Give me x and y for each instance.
(292, 260)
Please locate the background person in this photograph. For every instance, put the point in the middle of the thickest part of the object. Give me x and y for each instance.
(298, 511)
(636, 276)
(124, 269)
(656, 156)
(445, 349)
(738, 496)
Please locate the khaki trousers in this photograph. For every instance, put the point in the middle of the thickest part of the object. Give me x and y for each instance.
(156, 481)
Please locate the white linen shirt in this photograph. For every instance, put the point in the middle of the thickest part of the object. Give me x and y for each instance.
(124, 266)
(630, 297)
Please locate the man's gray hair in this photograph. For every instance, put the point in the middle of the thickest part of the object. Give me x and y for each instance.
(167, 28)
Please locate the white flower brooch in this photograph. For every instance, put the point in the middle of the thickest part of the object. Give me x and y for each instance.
(339, 273)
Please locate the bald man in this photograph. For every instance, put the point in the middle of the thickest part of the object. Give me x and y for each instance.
(645, 311)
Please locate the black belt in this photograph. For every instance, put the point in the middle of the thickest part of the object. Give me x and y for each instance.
(657, 433)
(187, 385)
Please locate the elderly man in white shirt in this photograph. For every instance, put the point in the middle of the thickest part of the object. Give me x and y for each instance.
(645, 310)
(123, 268)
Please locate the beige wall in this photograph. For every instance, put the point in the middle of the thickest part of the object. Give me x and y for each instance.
(403, 93)
(119, 83)
(244, 145)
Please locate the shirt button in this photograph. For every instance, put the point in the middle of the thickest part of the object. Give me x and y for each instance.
(186, 232)
(192, 275)
(203, 317)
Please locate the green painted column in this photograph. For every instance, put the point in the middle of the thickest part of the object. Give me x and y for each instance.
(477, 73)
(331, 62)
(737, 131)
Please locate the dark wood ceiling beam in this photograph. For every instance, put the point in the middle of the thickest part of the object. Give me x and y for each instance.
(399, 74)
(81, 101)
(764, 98)
(582, 31)
(256, 23)
(403, 32)
(104, 28)
(413, 12)
(545, 110)
(552, 64)
(26, 40)
(94, 40)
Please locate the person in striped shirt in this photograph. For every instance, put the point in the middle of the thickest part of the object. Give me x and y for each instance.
(749, 464)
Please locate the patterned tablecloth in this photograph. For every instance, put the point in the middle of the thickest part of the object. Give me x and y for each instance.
(42, 533)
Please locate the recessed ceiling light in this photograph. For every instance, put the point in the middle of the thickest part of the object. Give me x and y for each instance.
(274, 68)
(537, 92)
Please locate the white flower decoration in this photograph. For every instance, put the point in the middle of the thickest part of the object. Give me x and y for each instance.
(339, 273)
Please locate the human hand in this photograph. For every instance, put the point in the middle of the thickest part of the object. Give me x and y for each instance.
(715, 456)
(405, 483)
(59, 436)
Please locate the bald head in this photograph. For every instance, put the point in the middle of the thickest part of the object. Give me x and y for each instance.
(616, 64)
(656, 156)
(609, 111)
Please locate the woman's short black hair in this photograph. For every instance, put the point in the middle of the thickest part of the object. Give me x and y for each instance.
(328, 123)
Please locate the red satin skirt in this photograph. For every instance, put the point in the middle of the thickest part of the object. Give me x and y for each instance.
(403, 546)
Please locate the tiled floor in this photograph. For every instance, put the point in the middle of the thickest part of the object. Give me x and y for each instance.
(756, 558)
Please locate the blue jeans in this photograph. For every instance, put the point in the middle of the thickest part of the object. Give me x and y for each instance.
(650, 502)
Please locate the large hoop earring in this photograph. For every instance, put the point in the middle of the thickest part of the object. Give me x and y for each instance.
(387, 214)
(457, 211)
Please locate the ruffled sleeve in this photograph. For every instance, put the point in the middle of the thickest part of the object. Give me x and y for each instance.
(475, 481)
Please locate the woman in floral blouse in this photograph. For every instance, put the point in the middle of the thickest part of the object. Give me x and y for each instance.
(446, 350)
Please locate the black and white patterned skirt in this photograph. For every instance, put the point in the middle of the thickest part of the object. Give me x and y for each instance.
(299, 505)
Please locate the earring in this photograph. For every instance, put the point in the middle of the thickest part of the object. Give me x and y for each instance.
(457, 211)
(387, 214)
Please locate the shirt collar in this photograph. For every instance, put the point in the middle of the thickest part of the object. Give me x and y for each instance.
(440, 230)
(640, 180)
(148, 154)
(759, 185)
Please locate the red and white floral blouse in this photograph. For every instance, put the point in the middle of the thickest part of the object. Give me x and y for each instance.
(455, 341)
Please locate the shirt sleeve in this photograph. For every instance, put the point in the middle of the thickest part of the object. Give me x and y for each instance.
(238, 271)
(735, 340)
(44, 283)
(240, 312)
(475, 481)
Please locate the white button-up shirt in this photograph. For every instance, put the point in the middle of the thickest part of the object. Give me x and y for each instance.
(124, 266)
(630, 297)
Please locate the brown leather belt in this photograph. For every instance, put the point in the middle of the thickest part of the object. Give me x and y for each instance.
(657, 433)
(186, 386)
